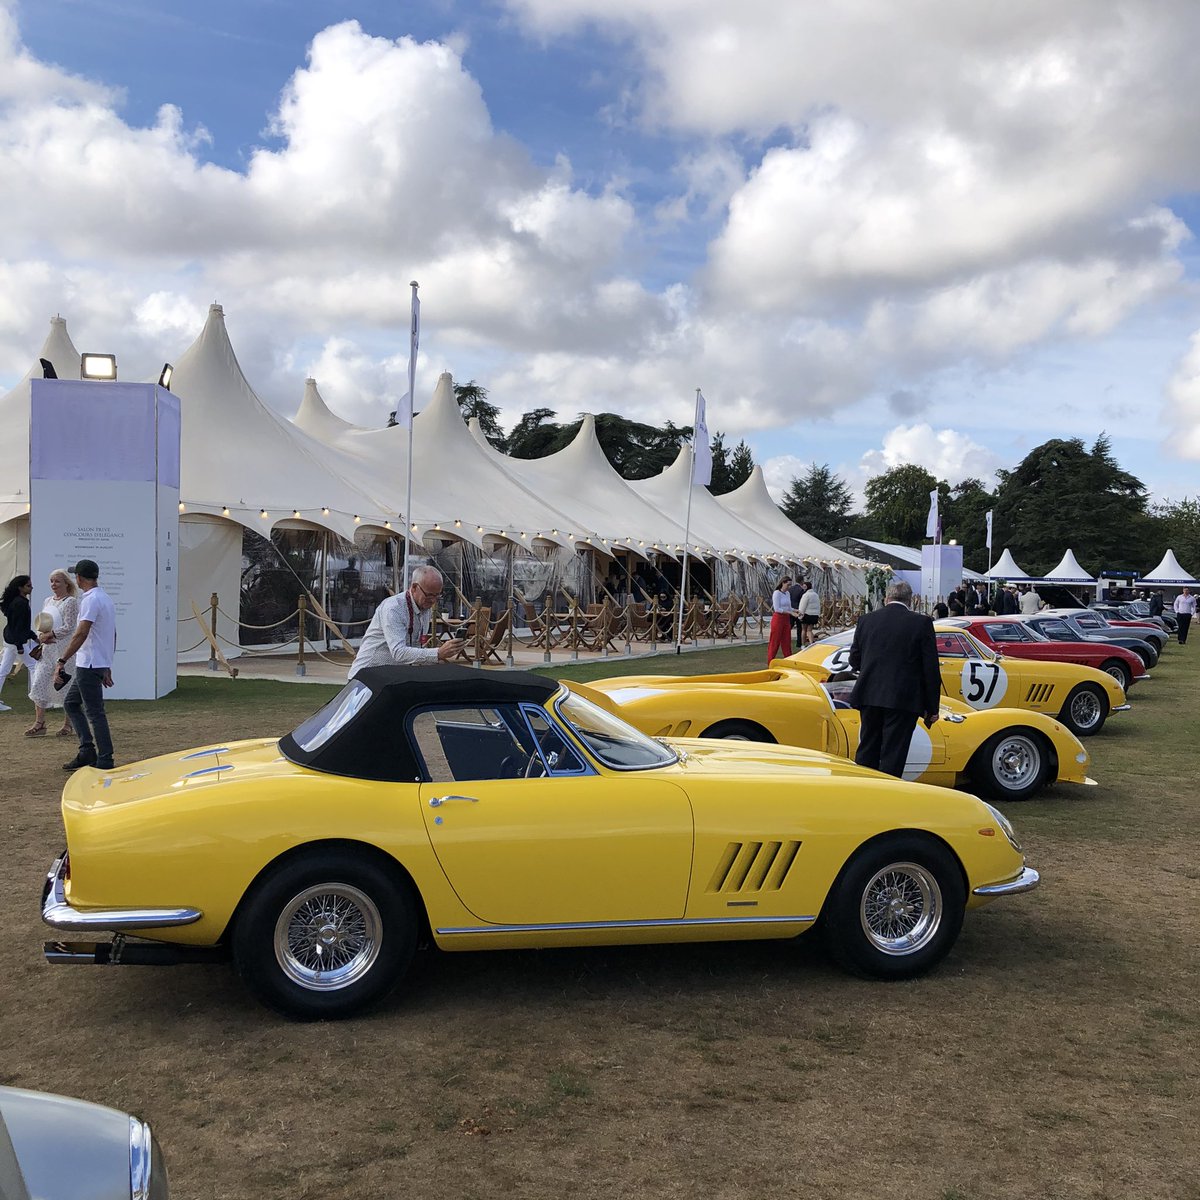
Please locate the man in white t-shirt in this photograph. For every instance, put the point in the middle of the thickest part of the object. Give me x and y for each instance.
(94, 645)
(1030, 602)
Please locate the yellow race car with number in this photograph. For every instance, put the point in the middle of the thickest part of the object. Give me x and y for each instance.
(1008, 754)
(490, 811)
(1080, 697)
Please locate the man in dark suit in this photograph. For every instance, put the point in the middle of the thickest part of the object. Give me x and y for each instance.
(895, 655)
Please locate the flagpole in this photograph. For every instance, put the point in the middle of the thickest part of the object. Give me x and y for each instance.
(413, 338)
(687, 532)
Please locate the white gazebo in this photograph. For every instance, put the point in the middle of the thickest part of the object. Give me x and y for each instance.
(1005, 568)
(1169, 573)
(1069, 571)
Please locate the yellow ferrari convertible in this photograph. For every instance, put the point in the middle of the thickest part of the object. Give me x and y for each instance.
(1008, 754)
(482, 811)
(1080, 697)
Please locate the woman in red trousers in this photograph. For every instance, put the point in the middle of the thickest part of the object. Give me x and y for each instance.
(780, 645)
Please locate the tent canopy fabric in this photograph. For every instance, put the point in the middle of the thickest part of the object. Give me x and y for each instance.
(1170, 572)
(241, 459)
(1068, 571)
(59, 350)
(1005, 568)
(607, 508)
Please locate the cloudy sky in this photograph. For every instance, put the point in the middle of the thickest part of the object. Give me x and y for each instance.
(873, 233)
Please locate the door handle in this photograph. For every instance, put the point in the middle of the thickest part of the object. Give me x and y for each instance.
(438, 801)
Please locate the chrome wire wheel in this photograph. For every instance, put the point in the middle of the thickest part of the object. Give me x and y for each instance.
(1120, 674)
(328, 937)
(901, 908)
(1085, 709)
(1016, 762)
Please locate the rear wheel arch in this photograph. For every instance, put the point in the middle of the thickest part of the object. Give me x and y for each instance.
(332, 846)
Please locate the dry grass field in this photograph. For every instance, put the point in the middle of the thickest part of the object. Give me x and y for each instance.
(1053, 1055)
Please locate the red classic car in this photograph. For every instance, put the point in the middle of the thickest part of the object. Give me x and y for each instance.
(1014, 638)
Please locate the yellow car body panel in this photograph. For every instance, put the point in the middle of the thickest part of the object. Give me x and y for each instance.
(611, 858)
(977, 675)
(788, 705)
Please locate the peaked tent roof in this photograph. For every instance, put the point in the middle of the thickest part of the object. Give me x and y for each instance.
(752, 504)
(1005, 568)
(1069, 571)
(709, 522)
(315, 419)
(1169, 571)
(600, 502)
(14, 420)
(459, 492)
(240, 458)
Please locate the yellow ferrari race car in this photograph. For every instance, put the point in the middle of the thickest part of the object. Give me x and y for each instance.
(1080, 697)
(482, 811)
(1008, 754)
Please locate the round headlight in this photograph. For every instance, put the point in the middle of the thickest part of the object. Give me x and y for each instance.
(147, 1169)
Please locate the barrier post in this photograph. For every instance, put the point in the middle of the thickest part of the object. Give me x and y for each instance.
(212, 650)
(301, 669)
(512, 616)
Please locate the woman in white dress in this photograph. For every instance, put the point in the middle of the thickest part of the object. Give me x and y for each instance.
(62, 605)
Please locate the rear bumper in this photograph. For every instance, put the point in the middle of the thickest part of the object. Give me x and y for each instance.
(59, 914)
(1025, 882)
(1121, 708)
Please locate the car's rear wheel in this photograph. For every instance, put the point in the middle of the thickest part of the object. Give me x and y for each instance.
(1119, 671)
(1012, 765)
(1086, 710)
(325, 935)
(738, 731)
(896, 908)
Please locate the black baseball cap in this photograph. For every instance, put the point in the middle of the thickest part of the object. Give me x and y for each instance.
(87, 569)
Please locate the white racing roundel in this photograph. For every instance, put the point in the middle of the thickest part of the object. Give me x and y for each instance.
(984, 684)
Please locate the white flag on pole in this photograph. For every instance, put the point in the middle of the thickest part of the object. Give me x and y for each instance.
(931, 522)
(404, 409)
(989, 531)
(701, 448)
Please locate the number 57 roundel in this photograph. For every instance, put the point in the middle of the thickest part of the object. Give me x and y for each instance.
(983, 684)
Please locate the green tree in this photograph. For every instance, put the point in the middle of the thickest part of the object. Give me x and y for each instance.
(719, 483)
(819, 502)
(473, 402)
(1063, 495)
(1173, 526)
(534, 435)
(898, 503)
(964, 519)
(741, 466)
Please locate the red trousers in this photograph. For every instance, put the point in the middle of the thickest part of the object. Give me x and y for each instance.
(780, 645)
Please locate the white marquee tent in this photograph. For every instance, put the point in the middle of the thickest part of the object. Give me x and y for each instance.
(1170, 573)
(1005, 568)
(1069, 571)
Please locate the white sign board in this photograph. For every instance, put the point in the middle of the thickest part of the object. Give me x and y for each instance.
(104, 485)
(941, 571)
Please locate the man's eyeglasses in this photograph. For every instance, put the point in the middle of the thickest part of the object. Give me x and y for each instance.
(427, 593)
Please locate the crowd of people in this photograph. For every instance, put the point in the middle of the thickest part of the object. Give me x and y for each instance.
(67, 649)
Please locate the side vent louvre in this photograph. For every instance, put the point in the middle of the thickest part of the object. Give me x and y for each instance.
(1039, 693)
(753, 866)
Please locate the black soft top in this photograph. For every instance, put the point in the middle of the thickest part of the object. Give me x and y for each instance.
(373, 743)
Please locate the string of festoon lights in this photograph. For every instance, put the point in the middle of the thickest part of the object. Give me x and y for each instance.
(616, 543)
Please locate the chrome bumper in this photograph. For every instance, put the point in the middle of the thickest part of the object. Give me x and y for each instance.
(1121, 708)
(1025, 882)
(57, 913)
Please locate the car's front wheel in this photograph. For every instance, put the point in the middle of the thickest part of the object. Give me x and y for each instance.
(325, 935)
(1119, 671)
(1086, 710)
(896, 908)
(1012, 765)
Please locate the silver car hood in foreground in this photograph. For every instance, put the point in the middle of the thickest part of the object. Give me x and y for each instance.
(55, 1148)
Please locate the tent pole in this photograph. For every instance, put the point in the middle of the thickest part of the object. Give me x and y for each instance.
(412, 374)
(325, 581)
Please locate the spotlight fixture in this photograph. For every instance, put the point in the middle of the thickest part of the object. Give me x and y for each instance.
(182, 506)
(262, 512)
(357, 519)
(225, 512)
(98, 366)
(324, 512)
(48, 371)
(164, 376)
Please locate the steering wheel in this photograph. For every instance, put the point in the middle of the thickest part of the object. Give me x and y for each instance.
(536, 768)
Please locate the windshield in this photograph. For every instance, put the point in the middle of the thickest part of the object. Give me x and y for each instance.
(1058, 631)
(612, 741)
